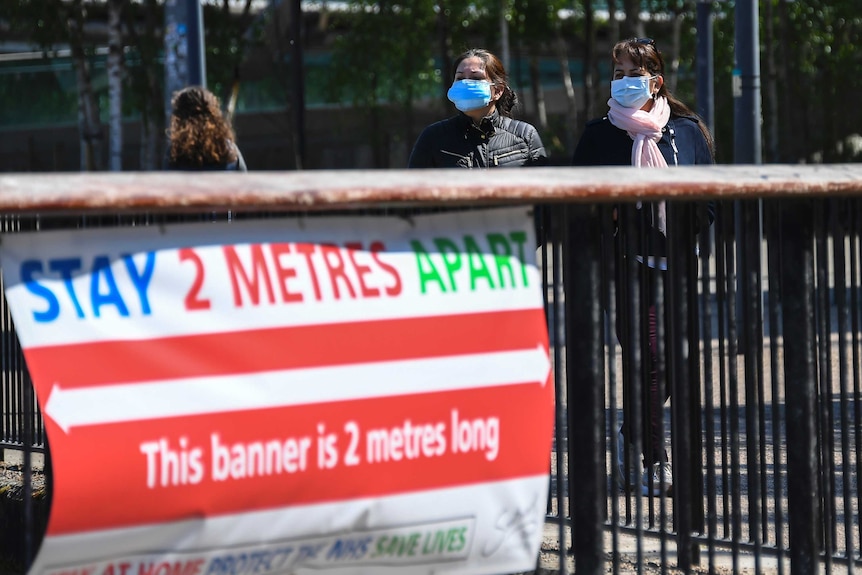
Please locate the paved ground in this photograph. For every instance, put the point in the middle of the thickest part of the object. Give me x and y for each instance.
(549, 561)
(651, 558)
(12, 476)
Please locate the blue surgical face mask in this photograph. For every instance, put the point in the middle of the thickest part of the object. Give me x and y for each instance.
(470, 94)
(631, 91)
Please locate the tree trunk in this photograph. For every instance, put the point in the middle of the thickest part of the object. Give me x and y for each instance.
(571, 122)
(115, 84)
(88, 111)
(407, 106)
(241, 28)
(505, 50)
(612, 18)
(792, 91)
(672, 77)
(831, 141)
(297, 66)
(283, 74)
(632, 27)
(91, 129)
(145, 80)
(589, 71)
(149, 148)
(538, 92)
(445, 48)
(771, 92)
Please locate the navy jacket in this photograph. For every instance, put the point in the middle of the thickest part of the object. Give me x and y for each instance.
(682, 144)
(498, 141)
(603, 144)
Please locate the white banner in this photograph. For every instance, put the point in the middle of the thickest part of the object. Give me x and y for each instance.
(345, 395)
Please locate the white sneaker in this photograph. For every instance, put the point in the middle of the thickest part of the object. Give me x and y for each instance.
(657, 477)
(622, 445)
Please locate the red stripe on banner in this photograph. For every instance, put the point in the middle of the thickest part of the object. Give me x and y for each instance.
(211, 465)
(87, 364)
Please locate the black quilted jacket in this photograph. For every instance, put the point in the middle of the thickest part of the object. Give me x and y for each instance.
(498, 141)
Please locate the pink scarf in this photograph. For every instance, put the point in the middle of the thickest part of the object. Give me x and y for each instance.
(645, 129)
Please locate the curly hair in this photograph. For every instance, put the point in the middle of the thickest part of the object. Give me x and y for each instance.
(497, 75)
(200, 136)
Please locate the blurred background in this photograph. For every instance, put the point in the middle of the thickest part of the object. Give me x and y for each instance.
(84, 84)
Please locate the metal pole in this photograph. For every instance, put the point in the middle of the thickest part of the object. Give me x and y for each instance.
(585, 386)
(704, 65)
(746, 85)
(746, 115)
(185, 62)
(797, 287)
(751, 290)
(197, 69)
(184, 49)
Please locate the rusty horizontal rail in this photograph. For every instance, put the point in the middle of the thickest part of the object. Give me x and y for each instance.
(69, 193)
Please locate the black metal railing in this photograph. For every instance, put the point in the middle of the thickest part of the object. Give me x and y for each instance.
(756, 324)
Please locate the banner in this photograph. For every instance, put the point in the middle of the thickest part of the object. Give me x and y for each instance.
(304, 395)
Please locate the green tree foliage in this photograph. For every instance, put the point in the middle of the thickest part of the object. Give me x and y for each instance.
(723, 60)
(814, 116)
(58, 23)
(820, 50)
(397, 54)
(144, 87)
(46, 19)
(228, 34)
(384, 52)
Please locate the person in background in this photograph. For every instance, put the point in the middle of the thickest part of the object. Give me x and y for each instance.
(645, 127)
(483, 134)
(200, 137)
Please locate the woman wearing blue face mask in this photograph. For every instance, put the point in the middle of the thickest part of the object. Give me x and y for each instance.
(483, 134)
(645, 127)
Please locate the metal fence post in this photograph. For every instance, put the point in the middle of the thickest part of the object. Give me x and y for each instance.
(585, 385)
(749, 237)
(681, 259)
(797, 287)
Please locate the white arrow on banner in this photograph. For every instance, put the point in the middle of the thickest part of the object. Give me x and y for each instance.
(192, 396)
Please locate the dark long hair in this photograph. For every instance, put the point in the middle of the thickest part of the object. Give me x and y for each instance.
(644, 53)
(200, 136)
(496, 74)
